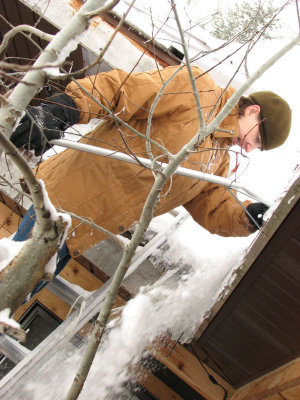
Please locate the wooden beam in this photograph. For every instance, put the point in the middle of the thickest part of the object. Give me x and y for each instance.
(187, 367)
(285, 379)
(291, 394)
(9, 220)
(12, 204)
(76, 274)
(154, 385)
(48, 300)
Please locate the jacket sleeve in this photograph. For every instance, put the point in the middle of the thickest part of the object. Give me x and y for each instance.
(217, 210)
(129, 95)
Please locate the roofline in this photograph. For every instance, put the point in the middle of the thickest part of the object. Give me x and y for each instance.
(285, 206)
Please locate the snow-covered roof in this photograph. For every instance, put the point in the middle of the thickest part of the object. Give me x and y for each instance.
(152, 24)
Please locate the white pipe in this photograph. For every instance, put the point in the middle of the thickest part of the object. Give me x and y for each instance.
(219, 180)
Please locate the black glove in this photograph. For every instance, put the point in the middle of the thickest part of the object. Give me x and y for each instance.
(50, 122)
(255, 213)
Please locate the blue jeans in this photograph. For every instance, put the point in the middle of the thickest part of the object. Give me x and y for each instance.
(23, 233)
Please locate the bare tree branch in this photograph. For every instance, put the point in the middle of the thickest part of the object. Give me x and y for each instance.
(23, 28)
(49, 228)
(119, 120)
(53, 53)
(29, 264)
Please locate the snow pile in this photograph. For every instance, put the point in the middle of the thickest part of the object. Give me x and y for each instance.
(173, 306)
(155, 312)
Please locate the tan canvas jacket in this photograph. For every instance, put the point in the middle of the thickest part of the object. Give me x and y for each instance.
(111, 192)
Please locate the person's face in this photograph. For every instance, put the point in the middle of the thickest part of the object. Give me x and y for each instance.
(249, 135)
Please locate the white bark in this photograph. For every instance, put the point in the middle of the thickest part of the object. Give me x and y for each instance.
(23, 28)
(29, 265)
(57, 50)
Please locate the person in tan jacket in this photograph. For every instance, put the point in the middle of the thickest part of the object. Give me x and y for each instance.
(112, 193)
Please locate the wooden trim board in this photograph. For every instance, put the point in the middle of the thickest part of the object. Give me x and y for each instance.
(283, 382)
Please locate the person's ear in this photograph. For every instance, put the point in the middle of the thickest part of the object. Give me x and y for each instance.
(253, 109)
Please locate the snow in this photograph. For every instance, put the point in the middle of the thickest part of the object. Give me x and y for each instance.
(170, 307)
(5, 320)
(55, 216)
(8, 250)
(50, 267)
(78, 289)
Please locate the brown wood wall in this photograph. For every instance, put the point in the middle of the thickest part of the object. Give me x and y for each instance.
(258, 328)
(21, 50)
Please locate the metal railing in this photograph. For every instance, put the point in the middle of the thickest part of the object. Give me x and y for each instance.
(219, 180)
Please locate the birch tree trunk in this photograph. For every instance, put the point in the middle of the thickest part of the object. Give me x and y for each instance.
(28, 267)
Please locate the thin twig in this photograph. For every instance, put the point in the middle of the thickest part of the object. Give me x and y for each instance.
(116, 118)
(94, 226)
(188, 64)
(105, 48)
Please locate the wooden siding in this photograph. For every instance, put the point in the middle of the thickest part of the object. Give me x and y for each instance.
(258, 328)
(187, 367)
(21, 50)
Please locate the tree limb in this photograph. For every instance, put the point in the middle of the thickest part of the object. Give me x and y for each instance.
(23, 28)
(29, 264)
(49, 229)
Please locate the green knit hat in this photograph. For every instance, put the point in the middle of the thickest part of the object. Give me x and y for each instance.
(276, 117)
